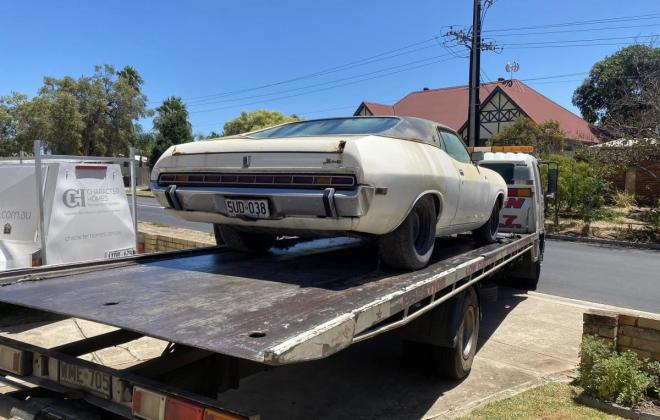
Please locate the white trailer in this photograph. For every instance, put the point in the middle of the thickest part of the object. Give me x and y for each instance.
(63, 210)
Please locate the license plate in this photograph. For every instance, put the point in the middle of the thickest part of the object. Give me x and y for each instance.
(120, 253)
(256, 209)
(85, 378)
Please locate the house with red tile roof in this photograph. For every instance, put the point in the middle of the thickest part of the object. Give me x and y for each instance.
(501, 103)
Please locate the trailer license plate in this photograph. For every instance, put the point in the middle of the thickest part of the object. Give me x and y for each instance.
(256, 209)
(85, 378)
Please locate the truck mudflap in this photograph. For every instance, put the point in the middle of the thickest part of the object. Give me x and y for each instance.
(302, 303)
(121, 392)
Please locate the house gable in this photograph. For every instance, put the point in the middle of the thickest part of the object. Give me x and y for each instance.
(497, 111)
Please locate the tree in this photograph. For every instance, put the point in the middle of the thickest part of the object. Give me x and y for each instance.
(22, 121)
(171, 126)
(621, 96)
(250, 121)
(91, 115)
(213, 135)
(107, 105)
(546, 137)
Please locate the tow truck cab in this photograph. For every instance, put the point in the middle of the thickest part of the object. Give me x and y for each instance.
(523, 210)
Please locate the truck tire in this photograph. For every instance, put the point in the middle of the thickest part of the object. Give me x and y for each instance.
(410, 245)
(244, 241)
(487, 234)
(456, 362)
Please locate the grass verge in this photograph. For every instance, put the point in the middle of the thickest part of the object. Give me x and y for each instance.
(553, 400)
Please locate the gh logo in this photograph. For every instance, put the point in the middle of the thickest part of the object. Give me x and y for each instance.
(74, 198)
(247, 160)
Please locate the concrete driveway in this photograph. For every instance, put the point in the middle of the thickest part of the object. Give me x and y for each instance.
(525, 338)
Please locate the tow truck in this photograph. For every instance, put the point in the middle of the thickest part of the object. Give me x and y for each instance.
(226, 316)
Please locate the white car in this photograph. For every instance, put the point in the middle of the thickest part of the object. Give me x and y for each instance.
(402, 180)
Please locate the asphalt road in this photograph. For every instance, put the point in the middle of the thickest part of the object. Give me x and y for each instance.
(615, 276)
(149, 210)
(623, 277)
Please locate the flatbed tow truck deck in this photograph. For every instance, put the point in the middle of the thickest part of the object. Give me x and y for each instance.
(296, 304)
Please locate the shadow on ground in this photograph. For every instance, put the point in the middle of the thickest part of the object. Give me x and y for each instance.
(369, 380)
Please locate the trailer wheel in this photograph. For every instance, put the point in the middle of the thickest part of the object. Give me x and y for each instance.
(456, 362)
(243, 241)
(487, 234)
(411, 244)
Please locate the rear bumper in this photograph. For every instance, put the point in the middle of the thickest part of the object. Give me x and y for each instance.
(283, 203)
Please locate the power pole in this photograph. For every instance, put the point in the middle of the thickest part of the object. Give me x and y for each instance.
(472, 40)
(475, 58)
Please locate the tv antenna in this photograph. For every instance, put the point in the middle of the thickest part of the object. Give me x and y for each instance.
(511, 67)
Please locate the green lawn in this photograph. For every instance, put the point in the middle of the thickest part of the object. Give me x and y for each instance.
(551, 401)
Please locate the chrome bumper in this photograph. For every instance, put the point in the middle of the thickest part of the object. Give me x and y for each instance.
(282, 202)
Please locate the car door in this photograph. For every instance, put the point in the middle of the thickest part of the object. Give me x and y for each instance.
(473, 204)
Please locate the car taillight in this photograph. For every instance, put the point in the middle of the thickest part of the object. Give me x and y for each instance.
(520, 192)
(11, 360)
(260, 180)
(176, 409)
(152, 405)
(148, 404)
(210, 414)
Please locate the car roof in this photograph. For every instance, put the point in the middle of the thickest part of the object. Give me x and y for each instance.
(409, 128)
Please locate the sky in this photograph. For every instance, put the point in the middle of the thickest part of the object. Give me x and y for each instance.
(311, 58)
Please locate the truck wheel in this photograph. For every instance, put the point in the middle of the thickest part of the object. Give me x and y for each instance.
(411, 244)
(456, 362)
(244, 241)
(487, 234)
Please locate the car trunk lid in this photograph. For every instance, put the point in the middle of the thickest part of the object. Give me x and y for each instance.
(304, 153)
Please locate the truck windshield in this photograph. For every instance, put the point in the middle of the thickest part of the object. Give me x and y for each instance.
(333, 126)
(504, 169)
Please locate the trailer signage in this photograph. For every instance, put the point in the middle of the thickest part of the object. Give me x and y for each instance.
(85, 378)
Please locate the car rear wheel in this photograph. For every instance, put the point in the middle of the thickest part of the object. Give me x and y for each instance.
(487, 234)
(411, 244)
(243, 241)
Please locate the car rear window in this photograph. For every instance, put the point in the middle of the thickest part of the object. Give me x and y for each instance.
(331, 126)
(504, 169)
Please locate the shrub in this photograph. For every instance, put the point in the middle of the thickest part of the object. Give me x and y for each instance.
(624, 200)
(582, 187)
(611, 376)
(653, 369)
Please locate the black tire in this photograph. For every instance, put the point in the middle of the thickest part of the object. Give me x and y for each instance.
(244, 241)
(218, 235)
(456, 362)
(487, 234)
(411, 244)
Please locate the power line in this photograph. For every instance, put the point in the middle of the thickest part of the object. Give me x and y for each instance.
(579, 23)
(391, 54)
(578, 30)
(319, 84)
(346, 66)
(568, 41)
(324, 89)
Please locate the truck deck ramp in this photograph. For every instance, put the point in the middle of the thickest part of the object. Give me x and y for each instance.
(300, 303)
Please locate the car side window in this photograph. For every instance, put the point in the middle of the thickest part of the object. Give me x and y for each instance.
(455, 147)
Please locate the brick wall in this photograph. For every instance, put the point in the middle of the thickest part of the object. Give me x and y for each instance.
(155, 242)
(645, 182)
(625, 331)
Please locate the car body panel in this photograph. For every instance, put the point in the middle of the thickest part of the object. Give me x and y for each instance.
(391, 174)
